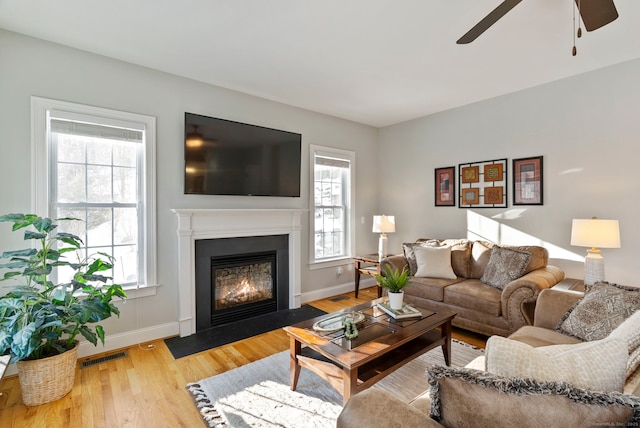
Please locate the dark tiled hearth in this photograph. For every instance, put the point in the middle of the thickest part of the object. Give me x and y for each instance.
(221, 335)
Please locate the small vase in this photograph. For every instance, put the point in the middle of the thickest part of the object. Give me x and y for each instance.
(395, 300)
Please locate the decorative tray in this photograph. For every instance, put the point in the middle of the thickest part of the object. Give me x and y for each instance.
(334, 323)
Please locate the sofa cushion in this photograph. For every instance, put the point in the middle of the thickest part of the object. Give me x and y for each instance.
(603, 307)
(539, 336)
(473, 294)
(599, 365)
(434, 262)
(505, 265)
(465, 398)
(480, 255)
(429, 288)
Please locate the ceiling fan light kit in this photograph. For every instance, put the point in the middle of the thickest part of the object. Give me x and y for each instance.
(594, 14)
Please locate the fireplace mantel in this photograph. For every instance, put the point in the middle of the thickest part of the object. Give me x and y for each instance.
(195, 224)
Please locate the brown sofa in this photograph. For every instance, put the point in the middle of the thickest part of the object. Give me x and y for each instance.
(481, 308)
(472, 397)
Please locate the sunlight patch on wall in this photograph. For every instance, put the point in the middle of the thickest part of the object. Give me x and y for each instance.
(480, 227)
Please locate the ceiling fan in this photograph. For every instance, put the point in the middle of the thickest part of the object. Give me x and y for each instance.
(594, 13)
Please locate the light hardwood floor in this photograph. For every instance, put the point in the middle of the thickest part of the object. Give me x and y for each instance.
(147, 388)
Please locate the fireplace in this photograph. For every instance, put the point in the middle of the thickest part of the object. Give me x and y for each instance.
(239, 278)
(195, 225)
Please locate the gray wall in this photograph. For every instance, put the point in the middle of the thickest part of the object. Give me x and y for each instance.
(30, 66)
(586, 127)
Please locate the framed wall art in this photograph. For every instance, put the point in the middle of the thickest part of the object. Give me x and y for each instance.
(445, 187)
(527, 181)
(483, 184)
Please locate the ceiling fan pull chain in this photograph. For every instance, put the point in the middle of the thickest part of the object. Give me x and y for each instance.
(574, 51)
(579, 19)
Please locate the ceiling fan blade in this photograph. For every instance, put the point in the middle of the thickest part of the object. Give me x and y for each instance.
(597, 13)
(489, 20)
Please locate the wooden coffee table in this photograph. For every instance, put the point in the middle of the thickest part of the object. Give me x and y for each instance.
(383, 345)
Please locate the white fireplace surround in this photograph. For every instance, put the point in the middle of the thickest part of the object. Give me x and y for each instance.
(195, 224)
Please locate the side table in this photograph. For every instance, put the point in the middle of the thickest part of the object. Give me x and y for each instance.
(367, 265)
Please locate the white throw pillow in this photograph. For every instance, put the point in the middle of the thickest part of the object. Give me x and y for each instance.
(600, 365)
(434, 262)
(629, 331)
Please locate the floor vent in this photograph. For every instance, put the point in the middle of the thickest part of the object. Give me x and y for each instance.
(337, 299)
(110, 357)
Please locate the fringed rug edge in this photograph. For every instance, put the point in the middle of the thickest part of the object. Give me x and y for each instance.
(210, 416)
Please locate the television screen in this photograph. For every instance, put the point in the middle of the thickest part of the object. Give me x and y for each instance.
(223, 157)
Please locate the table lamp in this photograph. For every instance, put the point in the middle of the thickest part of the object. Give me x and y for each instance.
(594, 233)
(383, 224)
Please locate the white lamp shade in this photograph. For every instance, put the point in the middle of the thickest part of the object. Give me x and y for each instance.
(595, 233)
(384, 224)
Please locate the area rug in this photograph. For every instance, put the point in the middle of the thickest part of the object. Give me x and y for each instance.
(258, 394)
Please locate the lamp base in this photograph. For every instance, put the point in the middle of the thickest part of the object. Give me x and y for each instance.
(382, 246)
(593, 267)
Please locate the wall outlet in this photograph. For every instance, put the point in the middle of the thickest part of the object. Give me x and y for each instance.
(338, 271)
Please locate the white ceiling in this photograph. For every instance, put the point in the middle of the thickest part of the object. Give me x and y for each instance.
(376, 62)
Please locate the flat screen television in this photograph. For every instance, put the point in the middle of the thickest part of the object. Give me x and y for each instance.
(223, 157)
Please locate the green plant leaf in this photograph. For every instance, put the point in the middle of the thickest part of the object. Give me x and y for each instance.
(12, 303)
(21, 345)
(59, 293)
(19, 253)
(89, 335)
(69, 239)
(28, 234)
(44, 224)
(100, 332)
(393, 279)
(9, 275)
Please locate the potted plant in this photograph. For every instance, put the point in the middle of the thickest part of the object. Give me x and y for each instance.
(40, 320)
(394, 280)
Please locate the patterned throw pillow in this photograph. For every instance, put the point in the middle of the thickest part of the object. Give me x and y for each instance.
(505, 265)
(603, 308)
(599, 366)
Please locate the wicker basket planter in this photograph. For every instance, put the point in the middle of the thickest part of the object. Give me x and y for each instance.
(47, 379)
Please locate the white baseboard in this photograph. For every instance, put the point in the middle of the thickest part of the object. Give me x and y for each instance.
(128, 338)
(310, 296)
(119, 341)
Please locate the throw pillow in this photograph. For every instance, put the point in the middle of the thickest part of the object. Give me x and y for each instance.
(464, 398)
(603, 307)
(599, 366)
(409, 253)
(505, 265)
(629, 331)
(634, 362)
(434, 262)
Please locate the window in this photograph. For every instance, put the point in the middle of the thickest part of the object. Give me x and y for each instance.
(332, 191)
(97, 165)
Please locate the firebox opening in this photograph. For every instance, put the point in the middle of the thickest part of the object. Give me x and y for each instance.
(243, 286)
(252, 276)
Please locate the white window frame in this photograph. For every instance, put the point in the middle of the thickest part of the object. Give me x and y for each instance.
(350, 198)
(41, 109)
